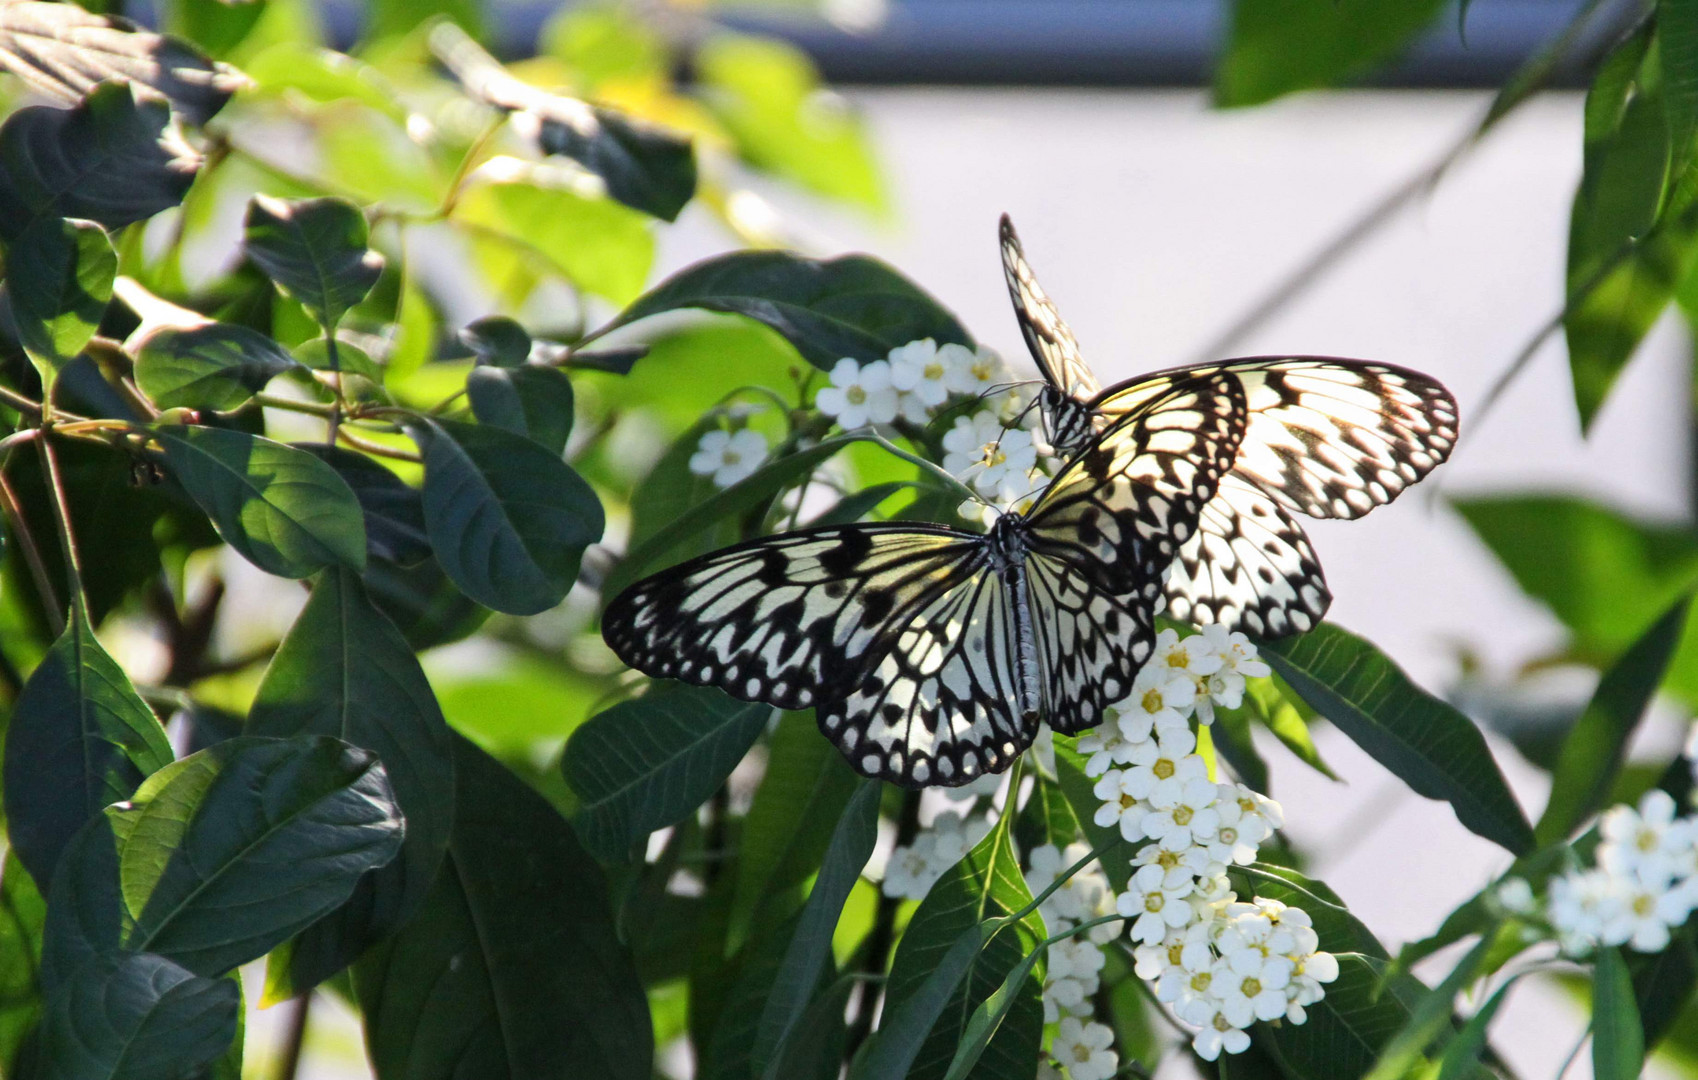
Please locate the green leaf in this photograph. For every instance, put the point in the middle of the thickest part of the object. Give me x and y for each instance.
(284, 510)
(62, 51)
(987, 1019)
(1346, 1030)
(1663, 984)
(80, 737)
(23, 912)
(535, 402)
(1618, 1041)
(1430, 1016)
(1076, 786)
(1605, 575)
(137, 1016)
(902, 1032)
(394, 512)
(1462, 1053)
(1339, 930)
(768, 94)
(648, 763)
(1279, 46)
(1677, 41)
(315, 251)
(345, 671)
(669, 491)
(217, 366)
(59, 278)
(597, 244)
(1426, 743)
(602, 43)
(114, 159)
(233, 850)
(349, 359)
(1596, 746)
(512, 969)
(854, 306)
(85, 907)
(810, 948)
(986, 884)
(508, 520)
(497, 340)
(322, 75)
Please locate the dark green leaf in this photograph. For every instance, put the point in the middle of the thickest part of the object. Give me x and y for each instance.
(987, 1019)
(315, 251)
(810, 949)
(1663, 984)
(1618, 1041)
(1346, 1030)
(394, 512)
(1278, 46)
(1606, 576)
(508, 520)
(646, 764)
(59, 278)
(902, 1032)
(62, 51)
(232, 851)
(986, 884)
(345, 671)
(349, 359)
(137, 1016)
(1430, 1016)
(217, 366)
(854, 306)
(80, 737)
(497, 340)
(22, 914)
(1677, 42)
(1076, 786)
(1462, 1053)
(114, 159)
(1426, 743)
(645, 167)
(85, 907)
(1047, 818)
(512, 969)
(1339, 930)
(535, 402)
(287, 512)
(1596, 746)
(671, 490)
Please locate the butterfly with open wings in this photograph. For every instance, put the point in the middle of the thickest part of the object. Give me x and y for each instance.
(1325, 437)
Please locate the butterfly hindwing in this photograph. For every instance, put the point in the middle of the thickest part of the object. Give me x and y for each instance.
(1090, 643)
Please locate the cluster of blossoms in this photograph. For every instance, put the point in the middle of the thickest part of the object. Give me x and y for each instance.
(1643, 884)
(914, 868)
(1074, 965)
(729, 456)
(1219, 964)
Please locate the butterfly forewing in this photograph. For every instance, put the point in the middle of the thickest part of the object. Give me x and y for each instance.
(1249, 567)
(1071, 382)
(1090, 643)
(789, 620)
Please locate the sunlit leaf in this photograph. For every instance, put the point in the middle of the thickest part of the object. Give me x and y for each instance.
(1277, 46)
(59, 277)
(217, 366)
(79, 737)
(597, 244)
(1429, 745)
(644, 764)
(1346, 1030)
(114, 159)
(853, 306)
(315, 251)
(287, 512)
(22, 914)
(513, 967)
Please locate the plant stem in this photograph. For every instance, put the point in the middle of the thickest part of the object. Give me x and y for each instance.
(377, 449)
(270, 401)
(32, 554)
(19, 402)
(294, 1036)
(62, 510)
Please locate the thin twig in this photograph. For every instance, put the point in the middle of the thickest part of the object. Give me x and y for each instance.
(32, 554)
(294, 1036)
(62, 510)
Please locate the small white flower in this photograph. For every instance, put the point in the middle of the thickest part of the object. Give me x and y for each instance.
(1083, 1049)
(729, 457)
(1308, 973)
(1063, 995)
(1237, 834)
(1046, 1071)
(1120, 807)
(920, 376)
(1191, 820)
(969, 372)
(1180, 864)
(1193, 656)
(1076, 958)
(1107, 747)
(1154, 904)
(1581, 904)
(1644, 915)
(1515, 896)
(988, 784)
(1043, 750)
(1255, 990)
(1237, 652)
(1162, 767)
(1218, 1032)
(858, 394)
(1048, 862)
(954, 836)
(1648, 844)
(1690, 750)
(1161, 701)
(964, 443)
(911, 871)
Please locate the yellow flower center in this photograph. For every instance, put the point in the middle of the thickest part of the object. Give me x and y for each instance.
(1154, 901)
(1222, 1023)
(1163, 768)
(732, 457)
(1175, 952)
(981, 371)
(1167, 860)
(934, 370)
(856, 395)
(1182, 815)
(1127, 802)
(1178, 658)
(1200, 981)
(1251, 987)
(1646, 840)
(1081, 1053)
(1247, 804)
(1229, 835)
(1152, 701)
(1643, 905)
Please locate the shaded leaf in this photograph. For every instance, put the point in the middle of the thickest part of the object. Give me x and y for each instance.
(508, 520)
(137, 1016)
(810, 948)
(518, 916)
(646, 764)
(315, 251)
(233, 850)
(1346, 1030)
(902, 1032)
(114, 159)
(535, 402)
(1596, 746)
(1663, 984)
(1277, 46)
(62, 51)
(1462, 1053)
(1618, 1041)
(23, 912)
(854, 306)
(59, 278)
(497, 340)
(394, 511)
(217, 366)
(1077, 787)
(80, 737)
(345, 671)
(1426, 743)
(1430, 1015)
(287, 512)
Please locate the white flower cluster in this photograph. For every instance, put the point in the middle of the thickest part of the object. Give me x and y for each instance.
(1644, 883)
(913, 382)
(1073, 966)
(729, 456)
(914, 868)
(1221, 964)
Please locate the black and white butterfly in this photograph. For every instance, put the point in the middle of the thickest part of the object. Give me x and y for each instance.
(1325, 437)
(931, 654)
